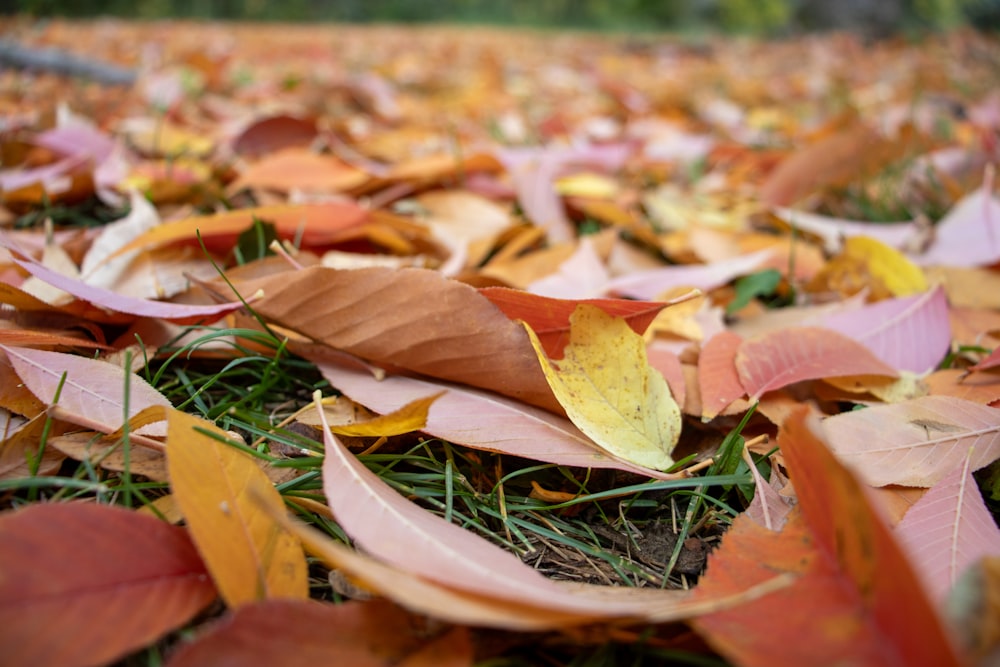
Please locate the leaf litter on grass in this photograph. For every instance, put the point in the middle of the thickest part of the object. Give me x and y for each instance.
(463, 223)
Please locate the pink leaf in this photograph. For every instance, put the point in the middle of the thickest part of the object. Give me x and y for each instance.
(911, 333)
(780, 358)
(174, 312)
(649, 284)
(768, 508)
(398, 532)
(534, 170)
(478, 419)
(947, 530)
(94, 391)
(916, 442)
(969, 235)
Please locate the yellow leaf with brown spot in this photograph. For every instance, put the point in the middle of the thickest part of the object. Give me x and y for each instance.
(249, 555)
(609, 390)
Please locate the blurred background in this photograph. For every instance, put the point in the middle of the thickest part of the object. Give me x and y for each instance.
(876, 18)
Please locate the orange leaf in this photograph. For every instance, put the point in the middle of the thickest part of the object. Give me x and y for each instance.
(549, 317)
(249, 555)
(359, 634)
(300, 169)
(780, 358)
(856, 599)
(314, 224)
(84, 584)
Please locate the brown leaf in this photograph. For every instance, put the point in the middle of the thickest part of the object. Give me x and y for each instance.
(410, 318)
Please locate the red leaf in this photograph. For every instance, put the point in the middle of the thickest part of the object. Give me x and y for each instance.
(718, 380)
(780, 358)
(87, 584)
(359, 634)
(855, 599)
(274, 133)
(549, 317)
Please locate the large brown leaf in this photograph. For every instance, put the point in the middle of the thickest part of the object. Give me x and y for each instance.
(411, 318)
(84, 584)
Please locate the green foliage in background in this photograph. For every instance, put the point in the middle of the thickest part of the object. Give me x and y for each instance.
(748, 16)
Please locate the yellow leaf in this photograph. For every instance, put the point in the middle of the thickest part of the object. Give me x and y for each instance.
(250, 556)
(587, 185)
(608, 389)
(901, 276)
(868, 263)
(411, 417)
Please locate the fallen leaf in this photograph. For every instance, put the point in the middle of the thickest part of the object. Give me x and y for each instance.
(94, 392)
(111, 455)
(175, 312)
(857, 599)
(915, 443)
(981, 388)
(141, 579)
(582, 276)
(718, 381)
(457, 335)
(649, 284)
(948, 530)
(266, 135)
(969, 234)
(476, 418)
(313, 224)
(549, 317)
(300, 169)
(361, 634)
(865, 263)
(605, 384)
(775, 360)
(909, 333)
(833, 231)
(249, 556)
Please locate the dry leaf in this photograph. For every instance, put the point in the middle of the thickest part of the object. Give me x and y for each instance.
(608, 389)
(249, 555)
(141, 579)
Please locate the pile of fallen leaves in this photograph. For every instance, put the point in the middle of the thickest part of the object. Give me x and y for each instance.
(593, 252)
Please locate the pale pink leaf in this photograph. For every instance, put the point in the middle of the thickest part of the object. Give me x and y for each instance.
(969, 234)
(396, 531)
(910, 333)
(947, 530)
(833, 231)
(175, 312)
(534, 170)
(476, 418)
(646, 285)
(780, 358)
(663, 358)
(93, 390)
(916, 442)
(582, 276)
